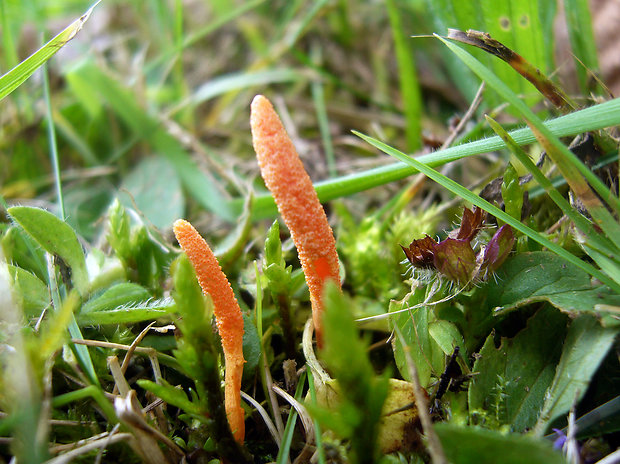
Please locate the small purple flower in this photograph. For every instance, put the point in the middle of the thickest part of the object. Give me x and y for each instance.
(558, 443)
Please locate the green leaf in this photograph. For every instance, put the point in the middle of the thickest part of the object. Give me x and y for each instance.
(155, 190)
(446, 335)
(585, 347)
(407, 76)
(472, 445)
(583, 45)
(139, 312)
(543, 276)
(119, 295)
(512, 193)
(57, 238)
(32, 294)
(20, 249)
(251, 346)
(16, 76)
(511, 381)
(426, 353)
(119, 231)
(345, 354)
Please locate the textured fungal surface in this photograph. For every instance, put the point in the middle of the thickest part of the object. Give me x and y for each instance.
(297, 201)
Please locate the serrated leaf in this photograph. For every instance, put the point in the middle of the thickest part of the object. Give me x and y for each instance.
(543, 276)
(585, 347)
(122, 294)
(345, 353)
(526, 366)
(472, 445)
(56, 237)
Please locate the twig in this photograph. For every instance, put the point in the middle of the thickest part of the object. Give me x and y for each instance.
(107, 440)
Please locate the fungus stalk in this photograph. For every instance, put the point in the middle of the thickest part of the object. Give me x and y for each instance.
(227, 314)
(297, 201)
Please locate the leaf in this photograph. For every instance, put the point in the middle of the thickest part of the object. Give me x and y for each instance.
(139, 312)
(446, 335)
(31, 293)
(472, 445)
(155, 188)
(251, 346)
(512, 192)
(583, 45)
(16, 76)
(511, 381)
(426, 354)
(57, 238)
(543, 276)
(407, 75)
(585, 347)
(122, 294)
(345, 354)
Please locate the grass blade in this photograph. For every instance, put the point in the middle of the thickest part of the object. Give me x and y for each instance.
(407, 76)
(16, 76)
(565, 158)
(593, 237)
(462, 192)
(593, 118)
(581, 36)
(53, 146)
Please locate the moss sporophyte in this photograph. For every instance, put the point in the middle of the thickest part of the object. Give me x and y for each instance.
(297, 202)
(227, 314)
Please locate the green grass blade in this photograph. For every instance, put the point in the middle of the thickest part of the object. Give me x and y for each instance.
(407, 76)
(567, 158)
(237, 81)
(593, 118)
(8, 44)
(53, 146)
(592, 236)
(579, 24)
(462, 192)
(16, 76)
(318, 96)
(213, 26)
(317, 428)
